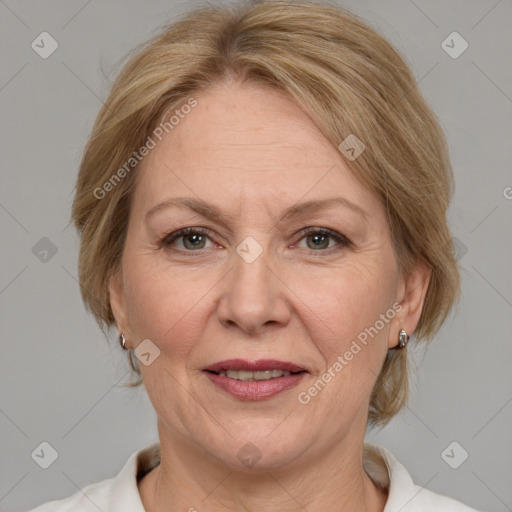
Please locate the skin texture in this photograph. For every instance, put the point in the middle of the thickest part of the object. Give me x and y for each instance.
(253, 153)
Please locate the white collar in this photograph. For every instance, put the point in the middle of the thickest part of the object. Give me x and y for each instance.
(379, 463)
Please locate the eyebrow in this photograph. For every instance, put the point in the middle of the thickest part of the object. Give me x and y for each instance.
(211, 211)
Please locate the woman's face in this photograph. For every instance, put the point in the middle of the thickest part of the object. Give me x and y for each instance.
(261, 281)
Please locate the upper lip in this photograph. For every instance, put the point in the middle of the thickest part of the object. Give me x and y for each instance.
(253, 366)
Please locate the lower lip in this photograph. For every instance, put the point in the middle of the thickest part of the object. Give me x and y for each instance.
(258, 389)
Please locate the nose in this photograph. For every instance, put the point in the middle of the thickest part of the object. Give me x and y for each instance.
(254, 295)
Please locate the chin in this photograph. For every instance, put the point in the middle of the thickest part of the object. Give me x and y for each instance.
(265, 448)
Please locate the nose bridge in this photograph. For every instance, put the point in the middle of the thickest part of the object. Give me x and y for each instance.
(253, 296)
(251, 267)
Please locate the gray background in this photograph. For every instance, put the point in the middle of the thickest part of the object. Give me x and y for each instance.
(61, 380)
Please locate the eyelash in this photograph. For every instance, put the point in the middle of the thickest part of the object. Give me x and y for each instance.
(169, 238)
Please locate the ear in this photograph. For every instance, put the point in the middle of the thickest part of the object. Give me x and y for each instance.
(118, 305)
(411, 293)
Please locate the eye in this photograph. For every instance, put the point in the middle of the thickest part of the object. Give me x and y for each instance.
(317, 239)
(193, 238)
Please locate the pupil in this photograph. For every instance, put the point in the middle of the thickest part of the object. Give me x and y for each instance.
(318, 238)
(193, 238)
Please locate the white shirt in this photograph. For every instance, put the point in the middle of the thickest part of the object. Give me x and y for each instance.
(121, 494)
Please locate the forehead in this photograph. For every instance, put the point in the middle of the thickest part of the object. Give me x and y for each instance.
(246, 143)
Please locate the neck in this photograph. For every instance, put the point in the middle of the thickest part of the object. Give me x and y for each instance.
(190, 479)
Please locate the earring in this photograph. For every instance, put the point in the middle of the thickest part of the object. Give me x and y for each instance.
(122, 341)
(403, 338)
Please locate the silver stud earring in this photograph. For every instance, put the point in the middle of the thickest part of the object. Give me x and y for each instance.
(403, 338)
(122, 341)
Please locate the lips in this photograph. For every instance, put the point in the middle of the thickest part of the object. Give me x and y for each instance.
(254, 380)
(253, 366)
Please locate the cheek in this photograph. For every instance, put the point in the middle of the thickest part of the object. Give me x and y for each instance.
(347, 330)
(165, 303)
(341, 324)
(349, 299)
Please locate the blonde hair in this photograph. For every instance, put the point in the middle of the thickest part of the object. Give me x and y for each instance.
(345, 76)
